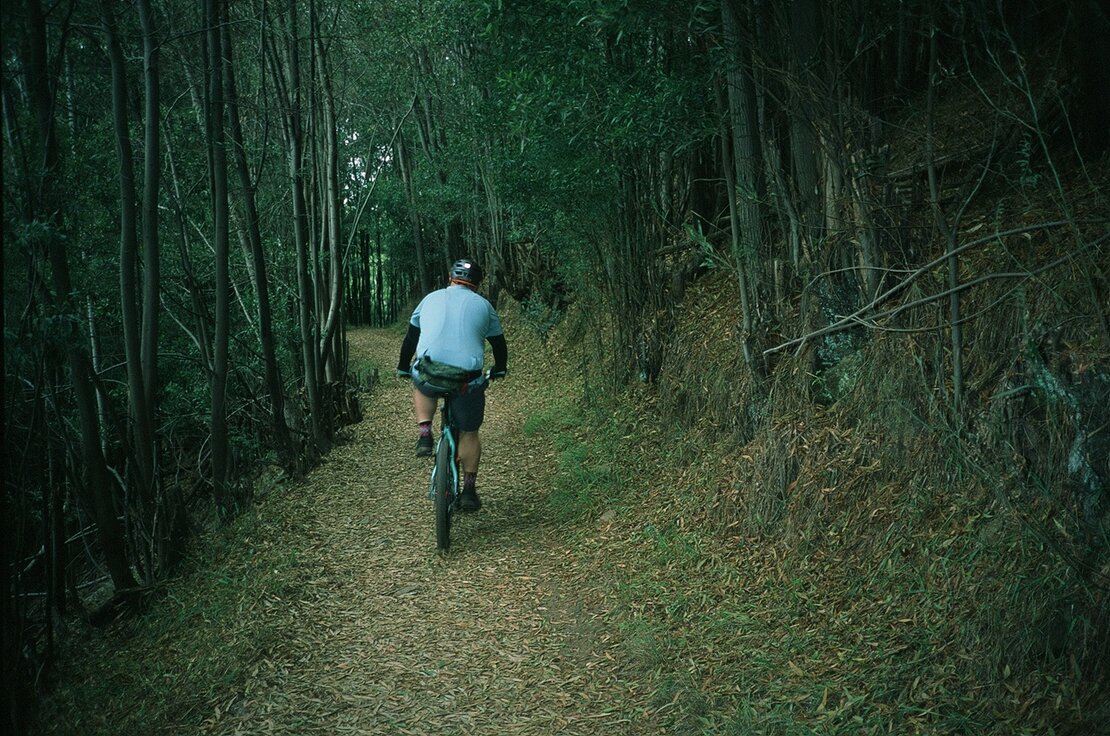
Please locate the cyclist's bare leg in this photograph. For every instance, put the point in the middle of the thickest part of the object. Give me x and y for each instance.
(425, 406)
(470, 451)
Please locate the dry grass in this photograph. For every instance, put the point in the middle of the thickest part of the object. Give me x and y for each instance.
(863, 566)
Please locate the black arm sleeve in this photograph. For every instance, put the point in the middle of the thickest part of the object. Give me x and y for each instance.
(408, 347)
(500, 352)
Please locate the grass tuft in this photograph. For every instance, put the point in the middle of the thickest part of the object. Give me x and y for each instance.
(590, 473)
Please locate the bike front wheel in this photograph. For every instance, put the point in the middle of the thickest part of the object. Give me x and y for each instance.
(444, 494)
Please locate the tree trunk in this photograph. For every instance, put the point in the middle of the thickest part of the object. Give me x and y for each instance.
(955, 329)
(99, 489)
(735, 229)
(54, 537)
(404, 164)
(213, 17)
(272, 369)
(12, 625)
(805, 38)
(151, 245)
(329, 355)
(142, 423)
(287, 78)
(379, 299)
(745, 188)
(365, 305)
(495, 251)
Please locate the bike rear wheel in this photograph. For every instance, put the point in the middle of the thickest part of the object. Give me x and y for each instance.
(444, 494)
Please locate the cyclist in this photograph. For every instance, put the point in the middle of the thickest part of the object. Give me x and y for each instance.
(446, 334)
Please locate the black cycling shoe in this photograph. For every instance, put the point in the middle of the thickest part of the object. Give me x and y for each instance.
(469, 501)
(424, 446)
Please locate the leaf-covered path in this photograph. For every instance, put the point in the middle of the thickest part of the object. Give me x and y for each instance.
(502, 636)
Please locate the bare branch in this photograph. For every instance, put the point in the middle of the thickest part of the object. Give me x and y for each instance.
(850, 320)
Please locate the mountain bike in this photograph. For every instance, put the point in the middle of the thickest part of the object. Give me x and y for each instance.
(444, 486)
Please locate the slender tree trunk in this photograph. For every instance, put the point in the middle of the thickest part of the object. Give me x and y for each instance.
(12, 625)
(213, 12)
(332, 216)
(151, 189)
(287, 79)
(100, 490)
(949, 233)
(735, 228)
(142, 429)
(365, 305)
(404, 163)
(495, 252)
(379, 282)
(54, 530)
(164, 512)
(805, 38)
(272, 370)
(745, 188)
(94, 353)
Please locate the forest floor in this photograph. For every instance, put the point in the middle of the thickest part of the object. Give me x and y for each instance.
(332, 612)
(594, 593)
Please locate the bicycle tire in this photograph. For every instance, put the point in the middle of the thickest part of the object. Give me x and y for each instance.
(443, 494)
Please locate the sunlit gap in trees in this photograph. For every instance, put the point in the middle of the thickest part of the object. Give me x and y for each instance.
(363, 174)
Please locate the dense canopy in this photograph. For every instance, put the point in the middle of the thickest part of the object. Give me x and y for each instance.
(202, 199)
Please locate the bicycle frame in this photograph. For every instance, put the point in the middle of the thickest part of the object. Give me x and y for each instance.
(447, 434)
(443, 492)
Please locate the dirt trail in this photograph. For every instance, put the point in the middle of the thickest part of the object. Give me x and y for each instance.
(499, 637)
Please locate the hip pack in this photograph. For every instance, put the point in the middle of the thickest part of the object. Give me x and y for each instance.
(443, 376)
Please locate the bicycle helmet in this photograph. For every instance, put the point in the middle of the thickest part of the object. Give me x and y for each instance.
(465, 271)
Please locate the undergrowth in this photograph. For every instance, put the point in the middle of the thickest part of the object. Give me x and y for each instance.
(897, 614)
(591, 474)
(196, 641)
(846, 558)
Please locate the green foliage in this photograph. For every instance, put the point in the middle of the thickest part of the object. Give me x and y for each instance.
(590, 475)
(539, 317)
(839, 379)
(543, 311)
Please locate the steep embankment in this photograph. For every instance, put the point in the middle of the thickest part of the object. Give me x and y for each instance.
(830, 554)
